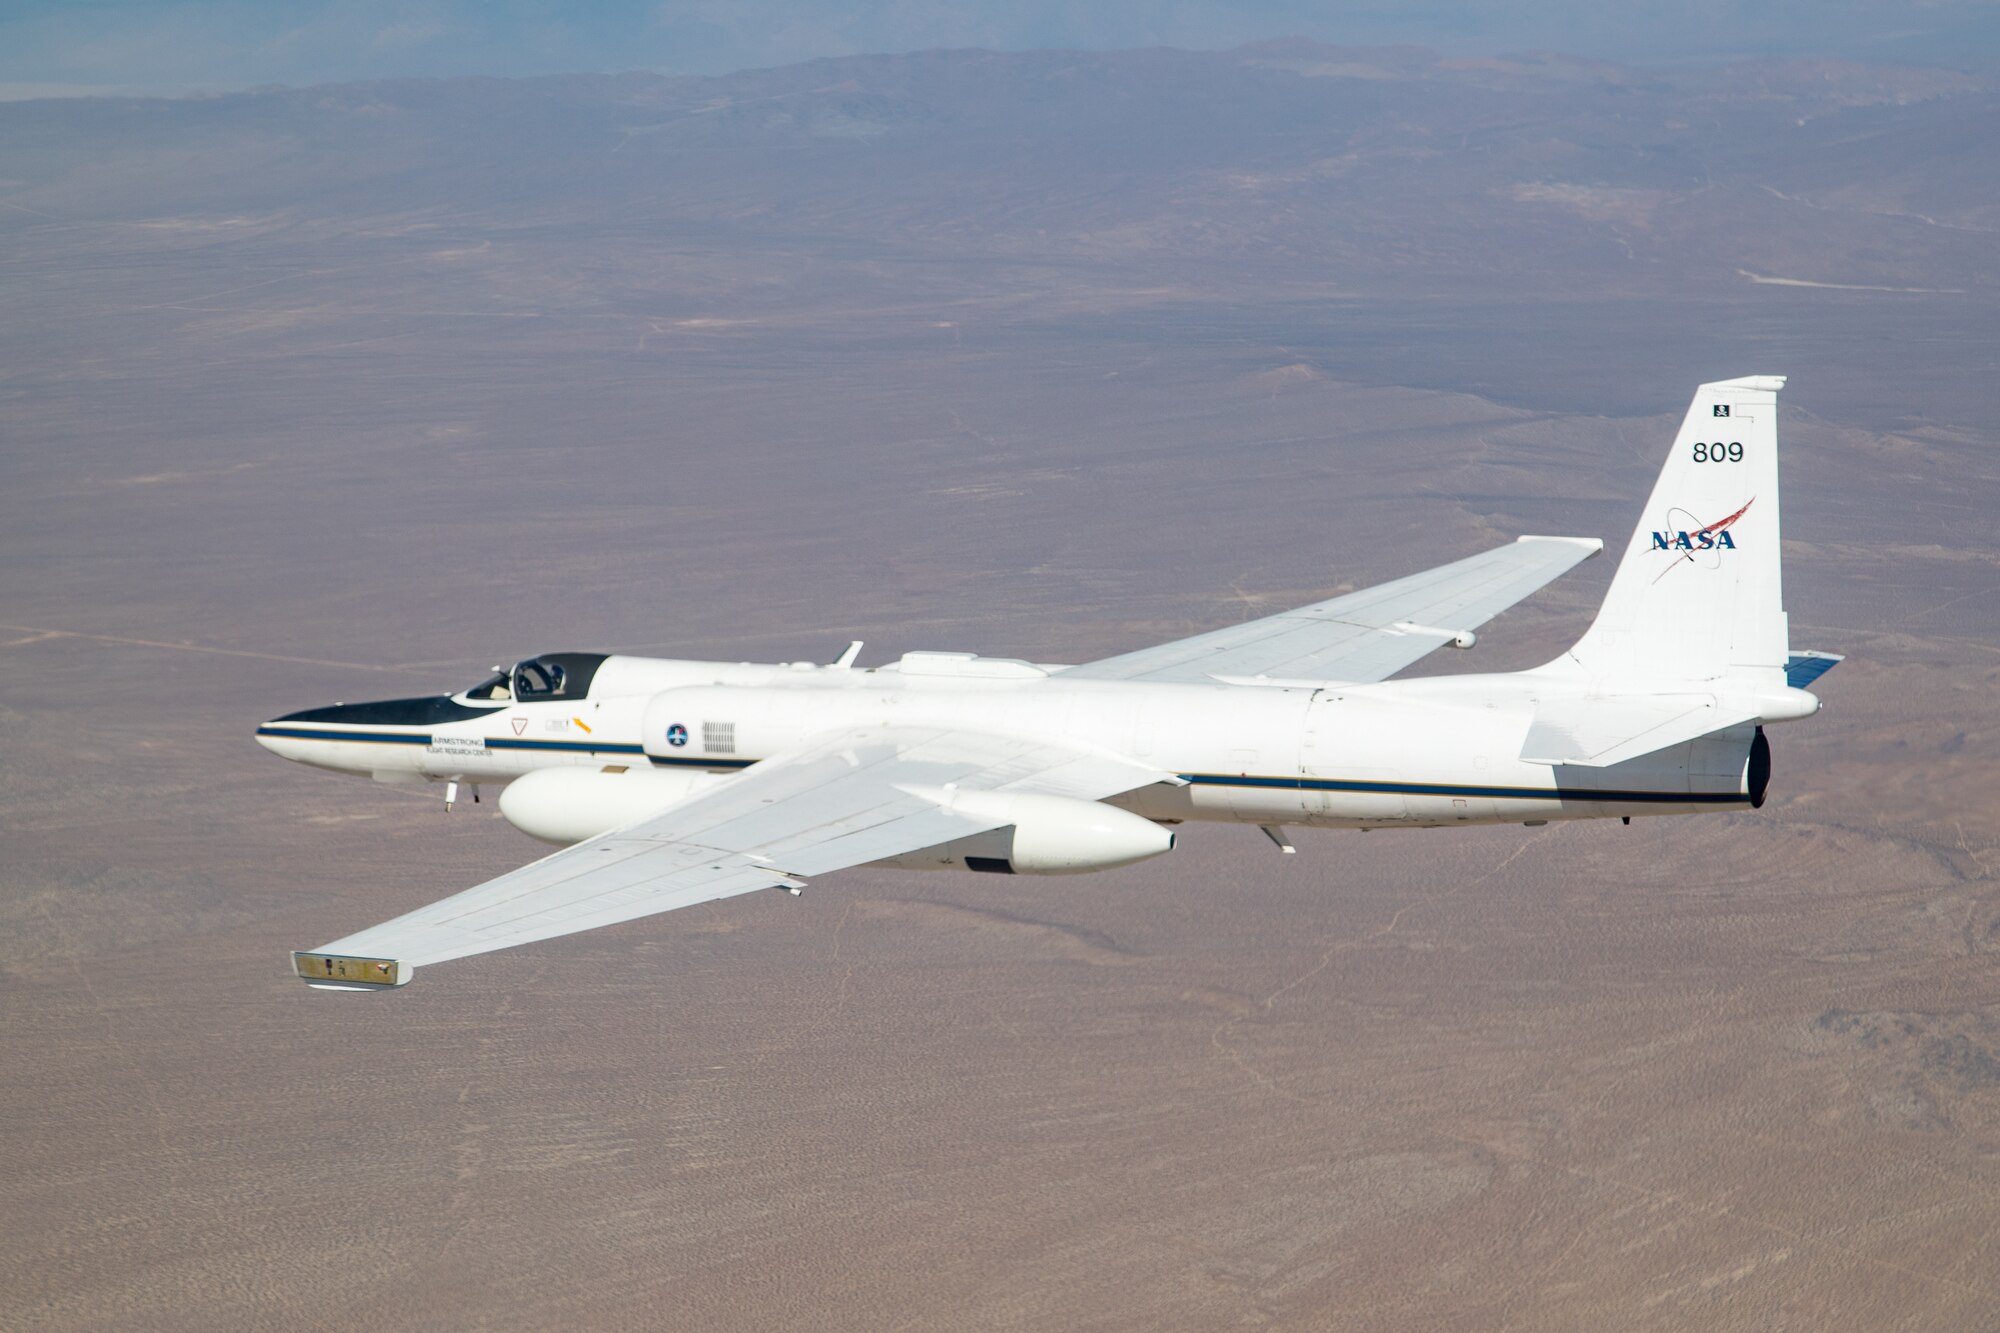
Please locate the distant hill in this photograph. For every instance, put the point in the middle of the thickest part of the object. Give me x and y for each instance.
(1172, 184)
(1281, 163)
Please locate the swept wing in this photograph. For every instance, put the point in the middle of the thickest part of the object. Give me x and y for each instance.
(843, 800)
(1363, 636)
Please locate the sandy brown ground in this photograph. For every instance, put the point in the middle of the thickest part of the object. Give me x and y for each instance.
(1737, 1072)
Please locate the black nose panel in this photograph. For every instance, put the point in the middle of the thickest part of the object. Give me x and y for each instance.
(425, 712)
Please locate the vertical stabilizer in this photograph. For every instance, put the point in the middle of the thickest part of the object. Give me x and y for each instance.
(1699, 593)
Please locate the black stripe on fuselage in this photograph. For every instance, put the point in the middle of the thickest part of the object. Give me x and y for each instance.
(428, 711)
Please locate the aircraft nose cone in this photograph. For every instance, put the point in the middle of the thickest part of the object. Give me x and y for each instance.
(283, 739)
(272, 737)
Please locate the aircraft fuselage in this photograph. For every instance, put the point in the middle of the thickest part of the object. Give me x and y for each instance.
(1420, 753)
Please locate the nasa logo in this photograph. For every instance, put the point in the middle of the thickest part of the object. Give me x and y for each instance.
(1712, 537)
(1702, 540)
(677, 735)
(1686, 541)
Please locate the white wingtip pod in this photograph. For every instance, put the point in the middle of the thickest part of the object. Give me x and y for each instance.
(1699, 593)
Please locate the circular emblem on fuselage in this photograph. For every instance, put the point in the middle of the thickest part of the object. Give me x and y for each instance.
(677, 735)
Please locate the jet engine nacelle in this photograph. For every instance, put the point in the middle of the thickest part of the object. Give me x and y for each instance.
(566, 805)
(1045, 835)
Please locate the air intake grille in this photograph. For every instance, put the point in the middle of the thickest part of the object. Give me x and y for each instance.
(718, 737)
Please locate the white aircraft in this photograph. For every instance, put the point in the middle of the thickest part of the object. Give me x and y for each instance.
(670, 783)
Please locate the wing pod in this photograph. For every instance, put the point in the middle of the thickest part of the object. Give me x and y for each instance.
(1038, 835)
(562, 806)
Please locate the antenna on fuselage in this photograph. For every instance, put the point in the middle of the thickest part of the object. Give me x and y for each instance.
(846, 658)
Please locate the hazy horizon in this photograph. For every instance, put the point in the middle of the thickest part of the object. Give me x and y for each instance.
(173, 47)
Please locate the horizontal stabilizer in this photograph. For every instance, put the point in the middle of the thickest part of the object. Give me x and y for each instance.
(1803, 668)
(1600, 732)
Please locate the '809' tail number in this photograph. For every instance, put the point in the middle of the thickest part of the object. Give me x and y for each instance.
(1718, 452)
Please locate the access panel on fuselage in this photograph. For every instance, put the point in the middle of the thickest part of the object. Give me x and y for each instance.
(1344, 764)
(1238, 747)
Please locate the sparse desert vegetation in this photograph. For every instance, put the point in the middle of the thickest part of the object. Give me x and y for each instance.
(347, 392)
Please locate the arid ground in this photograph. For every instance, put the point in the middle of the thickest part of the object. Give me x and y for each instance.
(347, 393)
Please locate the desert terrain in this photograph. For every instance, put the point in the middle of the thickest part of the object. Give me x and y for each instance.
(347, 392)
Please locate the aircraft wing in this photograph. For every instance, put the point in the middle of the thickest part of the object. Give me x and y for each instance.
(1364, 636)
(840, 801)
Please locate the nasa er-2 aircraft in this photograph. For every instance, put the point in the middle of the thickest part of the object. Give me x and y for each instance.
(670, 783)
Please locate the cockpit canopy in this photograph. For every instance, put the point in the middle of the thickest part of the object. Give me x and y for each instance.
(537, 679)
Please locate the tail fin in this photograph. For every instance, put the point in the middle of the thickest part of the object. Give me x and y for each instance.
(1699, 593)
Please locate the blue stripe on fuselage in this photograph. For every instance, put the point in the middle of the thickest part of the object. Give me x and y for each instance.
(675, 761)
(425, 738)
(592, 747)
(372, 737)
(1202, 779)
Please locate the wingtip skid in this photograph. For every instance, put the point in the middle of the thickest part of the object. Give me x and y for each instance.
(332, 971)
